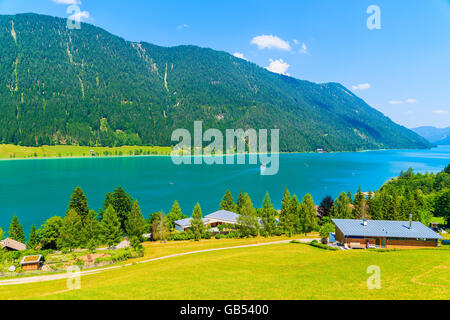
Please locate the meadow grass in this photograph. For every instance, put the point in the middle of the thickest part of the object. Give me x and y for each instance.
(278, 271)
(9, 151)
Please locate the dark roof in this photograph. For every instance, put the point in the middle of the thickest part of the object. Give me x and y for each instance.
(383, 228)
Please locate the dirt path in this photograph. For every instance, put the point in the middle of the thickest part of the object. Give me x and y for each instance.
(60, 276)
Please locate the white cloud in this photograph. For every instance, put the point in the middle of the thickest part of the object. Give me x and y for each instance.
(183, 26)
(410, 100)
(304, 49)
(67, 1)
(396, 102)
(296, 42)
(79, 16)
(362, 86)
(270, 42)
(441, 112)
(278, 66)
(240, 56)
(409, 112)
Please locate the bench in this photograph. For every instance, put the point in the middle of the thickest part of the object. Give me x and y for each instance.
(356, 245)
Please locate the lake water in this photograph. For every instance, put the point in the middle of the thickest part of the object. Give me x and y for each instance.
(39, 189)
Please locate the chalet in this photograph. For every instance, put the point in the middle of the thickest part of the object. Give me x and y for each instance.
(31, 262)
(359, 234)
(13, 245)
(212, 220)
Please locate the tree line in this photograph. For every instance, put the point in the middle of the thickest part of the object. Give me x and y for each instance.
(420, 195)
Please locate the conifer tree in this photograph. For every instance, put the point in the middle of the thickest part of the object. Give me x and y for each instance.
(269, 216)
(197, 225)
(308, 214)
(111, 233)
(240, 201)
(121, 203)
(286, 223)
(247, 221)
(33, 241)
(228, 203)
(175, 214)
(79, 203)
(71, 231)
(135, 225)
(15, 230)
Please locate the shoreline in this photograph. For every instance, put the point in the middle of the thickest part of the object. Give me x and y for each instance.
(112, 156)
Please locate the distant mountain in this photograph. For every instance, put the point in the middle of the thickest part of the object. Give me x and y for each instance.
(439, 136)
(89, 87)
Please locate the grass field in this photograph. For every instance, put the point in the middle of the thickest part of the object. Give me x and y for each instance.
(279, 271)
(8, 151)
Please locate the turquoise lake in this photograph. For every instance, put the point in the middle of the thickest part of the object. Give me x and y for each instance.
(41, 188)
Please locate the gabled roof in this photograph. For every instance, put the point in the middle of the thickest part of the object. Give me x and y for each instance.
(383, 228)
(31, 259)
(13, 244)
(223, 215)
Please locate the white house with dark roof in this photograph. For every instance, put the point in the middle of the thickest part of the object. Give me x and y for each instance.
(212, 220)
(384, 234)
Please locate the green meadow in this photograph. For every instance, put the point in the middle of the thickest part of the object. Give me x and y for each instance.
(278, 271)
(9, 151)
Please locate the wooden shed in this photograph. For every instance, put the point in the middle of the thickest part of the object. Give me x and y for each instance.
(31, 262)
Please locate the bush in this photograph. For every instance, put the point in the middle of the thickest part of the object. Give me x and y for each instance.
(317, 244)
(207, 235)
(219, 236)
(180, 236)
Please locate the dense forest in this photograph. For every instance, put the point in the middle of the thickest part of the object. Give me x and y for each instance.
(88, 87)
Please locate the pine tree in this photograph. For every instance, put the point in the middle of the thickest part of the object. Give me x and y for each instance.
(121, 203)
(286, 224)
(247, 221)
(16, 230)
(293, 222)
(197, 225)
(71, 231)
(240, 201)
(111, 233)
(135, 225)
(228, 203)
(175, 214)
(269, 214)
(308, 214)
(91, 230)
(359, 204)
(79, 203)
(33, 241)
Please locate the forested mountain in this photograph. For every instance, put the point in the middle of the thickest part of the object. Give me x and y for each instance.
(89, 87)
(440, 136)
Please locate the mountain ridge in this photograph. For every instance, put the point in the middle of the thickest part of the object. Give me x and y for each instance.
(439, 136)
(90, 87)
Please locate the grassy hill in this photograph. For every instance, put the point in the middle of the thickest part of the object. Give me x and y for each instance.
(88, 87)
(279, 271)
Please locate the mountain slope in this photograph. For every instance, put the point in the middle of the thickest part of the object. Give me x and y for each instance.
(439, 136)
(88, 87)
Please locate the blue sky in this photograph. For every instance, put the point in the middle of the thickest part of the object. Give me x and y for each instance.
(402, 69)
